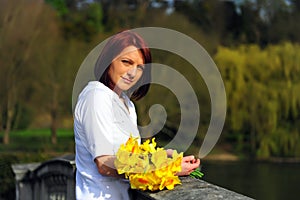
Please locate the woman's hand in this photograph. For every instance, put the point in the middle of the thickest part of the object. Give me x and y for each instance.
(188, 165)
(106, 167)
(169, 152)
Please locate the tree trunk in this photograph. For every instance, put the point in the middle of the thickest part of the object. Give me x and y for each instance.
(6, 136)
(1, 122)
(10, 112)
(253, 143)
(53, 126)
(11, 98)
(53, 113)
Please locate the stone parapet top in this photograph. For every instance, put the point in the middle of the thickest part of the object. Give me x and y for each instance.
(190, 189)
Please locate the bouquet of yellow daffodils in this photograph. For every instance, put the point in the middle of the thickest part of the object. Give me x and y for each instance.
(148, 167)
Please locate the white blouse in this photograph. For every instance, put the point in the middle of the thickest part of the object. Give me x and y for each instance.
(101, 124)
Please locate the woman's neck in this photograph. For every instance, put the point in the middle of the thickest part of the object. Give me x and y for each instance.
(116, 89)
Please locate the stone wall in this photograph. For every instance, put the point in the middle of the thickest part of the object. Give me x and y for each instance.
(55, 180)
(51, 180)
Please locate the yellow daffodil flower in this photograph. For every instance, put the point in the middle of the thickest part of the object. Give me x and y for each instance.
(148, 167)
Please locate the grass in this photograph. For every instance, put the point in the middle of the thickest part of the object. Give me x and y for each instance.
(37, 141)
(37, 144)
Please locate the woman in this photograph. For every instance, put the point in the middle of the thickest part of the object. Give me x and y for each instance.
(105, 117)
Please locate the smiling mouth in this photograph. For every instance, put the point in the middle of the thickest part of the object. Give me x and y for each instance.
(126, 80)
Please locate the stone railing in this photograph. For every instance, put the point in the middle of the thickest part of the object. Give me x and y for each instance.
(189, 189)
(55, 180)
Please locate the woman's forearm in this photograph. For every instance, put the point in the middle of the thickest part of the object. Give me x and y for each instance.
(106, 167)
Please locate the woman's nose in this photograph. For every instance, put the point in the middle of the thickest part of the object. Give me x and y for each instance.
(132, 72)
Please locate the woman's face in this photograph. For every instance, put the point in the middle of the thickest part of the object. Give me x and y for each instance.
(126, 69)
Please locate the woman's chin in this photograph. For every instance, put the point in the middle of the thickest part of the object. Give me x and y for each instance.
(125, 86)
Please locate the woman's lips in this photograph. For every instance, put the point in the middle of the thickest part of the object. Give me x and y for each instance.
(126, 80)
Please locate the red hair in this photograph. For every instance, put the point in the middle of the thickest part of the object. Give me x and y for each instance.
(115, 45)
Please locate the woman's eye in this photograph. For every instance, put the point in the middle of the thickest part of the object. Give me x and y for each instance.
(127, 62)
(141, 67)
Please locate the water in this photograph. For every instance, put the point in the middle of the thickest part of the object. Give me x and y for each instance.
(259, 180)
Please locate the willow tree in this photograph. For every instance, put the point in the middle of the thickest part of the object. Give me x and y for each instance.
(263, 100)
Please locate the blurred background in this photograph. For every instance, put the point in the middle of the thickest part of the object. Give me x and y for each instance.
(254, 43)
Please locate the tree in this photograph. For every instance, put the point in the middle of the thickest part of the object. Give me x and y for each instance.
(263, 105)
(78, 19)
(20, 27)
(58, 62)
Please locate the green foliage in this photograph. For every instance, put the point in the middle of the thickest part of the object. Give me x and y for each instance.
(60, 6)
(84, 23)
(7, 189)
(197, 174)
(262, 22)
(262, 84)
(81, 21)
(23, 117)
(262, 87)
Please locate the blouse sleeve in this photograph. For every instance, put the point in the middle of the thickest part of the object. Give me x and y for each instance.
(96, 119)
